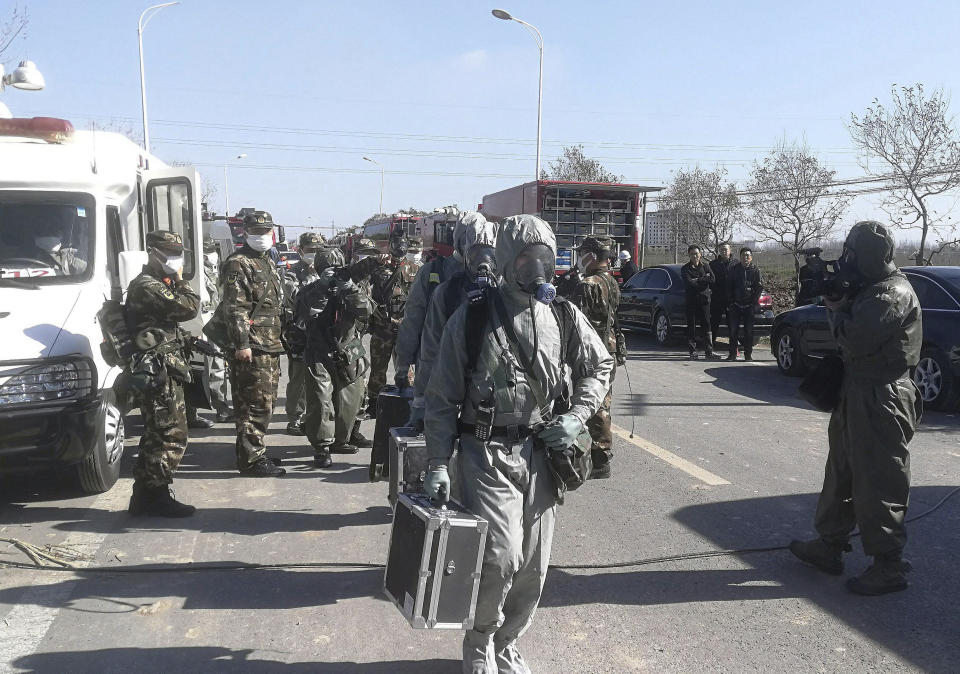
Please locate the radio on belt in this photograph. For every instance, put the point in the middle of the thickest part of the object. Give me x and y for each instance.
(433, 566)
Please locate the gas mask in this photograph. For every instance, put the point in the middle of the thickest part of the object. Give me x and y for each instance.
(49, 244)
(481, 260)
(260, 242)
(534, 270)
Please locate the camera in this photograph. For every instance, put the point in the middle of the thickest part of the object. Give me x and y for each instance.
(826, 278)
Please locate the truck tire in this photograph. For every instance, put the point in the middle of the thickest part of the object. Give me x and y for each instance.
(934, 378)
(99, 471)
(787, 350)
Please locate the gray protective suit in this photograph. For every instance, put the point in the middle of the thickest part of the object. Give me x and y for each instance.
(406, 351)
(867, 481)
(509, 484)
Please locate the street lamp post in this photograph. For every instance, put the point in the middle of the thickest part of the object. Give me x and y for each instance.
(372, 161)
(25, 76)
(506, 16)
(226, 187)
(141, 25)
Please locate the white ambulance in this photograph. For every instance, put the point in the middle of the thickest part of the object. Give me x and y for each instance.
(74, 209)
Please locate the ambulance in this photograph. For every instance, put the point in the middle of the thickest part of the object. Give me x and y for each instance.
(75, 207)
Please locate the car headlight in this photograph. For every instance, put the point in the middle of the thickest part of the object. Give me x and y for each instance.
(42, 383)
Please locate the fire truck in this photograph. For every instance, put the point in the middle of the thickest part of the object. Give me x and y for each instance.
(381, 230)
(437, 231)
(236, 228)
(576, 210)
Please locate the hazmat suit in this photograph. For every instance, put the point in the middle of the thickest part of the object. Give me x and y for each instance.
(521, 369)
(479, 237)
(431, 275)
(867, 478)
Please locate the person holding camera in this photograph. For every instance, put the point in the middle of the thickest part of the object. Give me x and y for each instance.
(497, 388)
(744, 285)
(332, 311)
(867, 482)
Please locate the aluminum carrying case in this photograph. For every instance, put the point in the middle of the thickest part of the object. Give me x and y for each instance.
(409, 464)
(433, 565)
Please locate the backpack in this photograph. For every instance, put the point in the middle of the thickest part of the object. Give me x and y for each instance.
(116, 326)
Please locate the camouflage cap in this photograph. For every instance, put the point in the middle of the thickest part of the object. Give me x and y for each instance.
(328, 257)
(209, 245)
(166, 242)
(414, 244)
(602, 246)
(365, 246)
(258, 220)
(310, 241)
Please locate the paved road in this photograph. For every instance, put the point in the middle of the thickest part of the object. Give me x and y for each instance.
(724, 457)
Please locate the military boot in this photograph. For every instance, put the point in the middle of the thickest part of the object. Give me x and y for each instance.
(322, 458)
(709, 348)
(357, 439)
(343, 448)
(157, 502)
(295, 427)
(826, 556)
(225, 414)
(263, 468)
(886, 574)
(195, 421)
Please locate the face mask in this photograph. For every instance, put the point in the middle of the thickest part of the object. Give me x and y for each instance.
(50, 244)
(585, 261)
(260, 242)
(172, 265)
(211, 259)
(534, 271)
(414, 257)
(481, 258)
(308, 258)
(361, 257)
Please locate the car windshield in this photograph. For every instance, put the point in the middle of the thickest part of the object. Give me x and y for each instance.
(46, 238)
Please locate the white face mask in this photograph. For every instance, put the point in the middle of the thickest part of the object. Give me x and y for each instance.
(260, 242)
(211, 259)
(173, 265)
(414, 257)
(50, 244)
(308, 258)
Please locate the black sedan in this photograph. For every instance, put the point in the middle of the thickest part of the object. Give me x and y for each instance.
(653, 299)
(801, 335)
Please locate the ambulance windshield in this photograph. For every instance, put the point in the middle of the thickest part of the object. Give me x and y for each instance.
(46, 238)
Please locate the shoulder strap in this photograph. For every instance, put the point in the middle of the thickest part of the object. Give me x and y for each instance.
(478, 315)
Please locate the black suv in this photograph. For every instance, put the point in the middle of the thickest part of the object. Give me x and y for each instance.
(802, 334)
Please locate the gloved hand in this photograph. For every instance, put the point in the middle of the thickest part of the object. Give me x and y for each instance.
(402, 378)
(437, 483)
(562, 432)
(417, 410)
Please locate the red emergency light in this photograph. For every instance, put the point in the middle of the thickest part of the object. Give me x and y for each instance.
(49, 129)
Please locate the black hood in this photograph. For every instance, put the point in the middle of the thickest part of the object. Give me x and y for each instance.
(873, 246)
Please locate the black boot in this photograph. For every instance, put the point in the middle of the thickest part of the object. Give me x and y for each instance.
(357, 439)
(747, 355)
(322, 458)
(194, 420)
(343, 448)
(885, 575)
(225, 414)
(157, 502)
(263, 468)
(295, 427)
(826, 556)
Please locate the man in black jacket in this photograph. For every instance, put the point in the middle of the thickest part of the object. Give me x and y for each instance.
(697, 279)
(719, 301)
(744, 286)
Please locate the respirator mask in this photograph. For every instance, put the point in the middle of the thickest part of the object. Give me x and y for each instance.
(534, 270)
(260, 242)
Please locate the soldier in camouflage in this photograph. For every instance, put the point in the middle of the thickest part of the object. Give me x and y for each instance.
(250, 312)
(294, 279)
(158, 300)
(390, 286)
(598, 296)
(331, 310)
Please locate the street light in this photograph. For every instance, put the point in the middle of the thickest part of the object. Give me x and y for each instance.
(226, 187)
(506, 16)
(141, 25)
(372, 161)
(25, 76)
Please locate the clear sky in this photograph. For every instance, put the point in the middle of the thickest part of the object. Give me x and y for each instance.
(444, 95)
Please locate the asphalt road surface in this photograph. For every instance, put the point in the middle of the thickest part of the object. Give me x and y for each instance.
(724, 457)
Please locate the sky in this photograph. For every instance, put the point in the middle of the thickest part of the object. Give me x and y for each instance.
(444, 95)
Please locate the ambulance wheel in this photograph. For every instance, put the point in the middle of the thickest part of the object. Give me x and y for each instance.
(99, 471)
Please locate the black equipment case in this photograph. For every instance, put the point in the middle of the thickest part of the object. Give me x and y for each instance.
(408, 462)
(393, 410)
(433, 565)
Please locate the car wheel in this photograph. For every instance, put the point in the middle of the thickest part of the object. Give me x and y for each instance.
(935, 381)
(787, 350)
(101, 469)
(661, 328)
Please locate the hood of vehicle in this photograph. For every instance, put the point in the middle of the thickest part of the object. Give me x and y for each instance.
(34, 322)
(799, 314)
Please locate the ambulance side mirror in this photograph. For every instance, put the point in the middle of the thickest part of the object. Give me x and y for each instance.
(131, 264)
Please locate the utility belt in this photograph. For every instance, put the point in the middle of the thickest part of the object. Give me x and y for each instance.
(513, 433)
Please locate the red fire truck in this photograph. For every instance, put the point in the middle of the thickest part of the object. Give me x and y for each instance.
(576, 210)
(437, 231)
(381, 230)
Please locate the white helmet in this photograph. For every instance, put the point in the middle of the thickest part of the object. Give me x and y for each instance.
(624, 255)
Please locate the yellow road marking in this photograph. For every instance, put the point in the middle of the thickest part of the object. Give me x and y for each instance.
(693, 469)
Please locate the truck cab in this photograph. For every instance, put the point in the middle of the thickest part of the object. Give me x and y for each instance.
(75, 207)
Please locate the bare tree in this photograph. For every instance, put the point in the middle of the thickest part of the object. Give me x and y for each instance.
(12, 29)
(917, 142)
(791, 200)
(703, 206)
(120, 126)
(576, 166)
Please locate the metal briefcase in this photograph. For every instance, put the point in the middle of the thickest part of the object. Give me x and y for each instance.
(408, 462)
(433, 565)
(393, 409)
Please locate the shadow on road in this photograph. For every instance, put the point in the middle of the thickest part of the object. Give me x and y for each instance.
(211, 659)
(759, 383)
(921, 624)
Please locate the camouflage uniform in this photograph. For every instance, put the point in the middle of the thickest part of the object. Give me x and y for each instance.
(598, 296)
(251, 310)
(390, 287)
(294, 279)
(156, 304)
